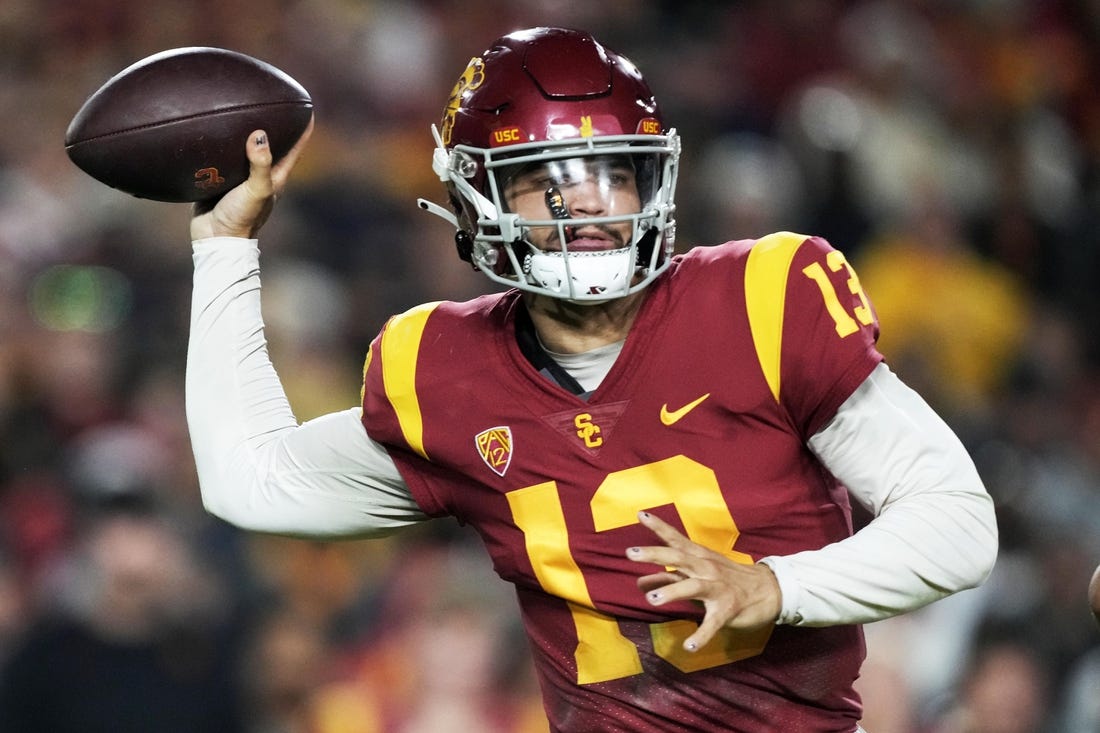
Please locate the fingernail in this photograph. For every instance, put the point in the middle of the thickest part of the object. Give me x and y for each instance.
(691, 646)
(643, 515)
(261, 139)
(654, 597)
(633, 550)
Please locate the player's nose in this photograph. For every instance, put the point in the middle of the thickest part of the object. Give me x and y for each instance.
(587, 198)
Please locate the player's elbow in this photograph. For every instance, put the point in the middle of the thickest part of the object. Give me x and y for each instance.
(244, 517)
(216, 503)
(232, 500)
(979, 554)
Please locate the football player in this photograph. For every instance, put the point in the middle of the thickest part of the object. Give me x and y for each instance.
(659, 450)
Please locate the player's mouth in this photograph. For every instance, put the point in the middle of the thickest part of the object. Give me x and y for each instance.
(593, 238)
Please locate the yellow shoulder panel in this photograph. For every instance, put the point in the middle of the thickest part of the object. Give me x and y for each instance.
(400, 347)
(765, 293)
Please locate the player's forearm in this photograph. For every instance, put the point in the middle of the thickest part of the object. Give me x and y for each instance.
(934, 532)
(257, 467)
(227, 424)
(902, 562)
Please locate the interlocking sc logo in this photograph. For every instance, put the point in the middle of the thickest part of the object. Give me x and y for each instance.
(588, 431)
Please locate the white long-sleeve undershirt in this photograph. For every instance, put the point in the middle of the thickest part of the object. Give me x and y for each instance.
(934, 532)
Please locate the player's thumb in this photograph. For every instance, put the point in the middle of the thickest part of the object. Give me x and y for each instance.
(259, 154)
(242, 211)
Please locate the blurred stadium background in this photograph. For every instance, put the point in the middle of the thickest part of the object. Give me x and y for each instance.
(950, 147)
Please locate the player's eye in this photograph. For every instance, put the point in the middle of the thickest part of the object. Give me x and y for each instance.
(618, 179)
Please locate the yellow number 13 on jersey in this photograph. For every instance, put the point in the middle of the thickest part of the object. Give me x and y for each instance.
(603, 653)
(845, 324)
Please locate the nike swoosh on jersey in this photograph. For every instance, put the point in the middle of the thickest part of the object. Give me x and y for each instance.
(671, 417)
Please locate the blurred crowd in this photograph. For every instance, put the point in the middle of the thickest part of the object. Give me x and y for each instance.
(950, 147)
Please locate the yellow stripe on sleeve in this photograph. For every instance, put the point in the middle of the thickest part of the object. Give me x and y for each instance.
(765, 293)
(400, 347)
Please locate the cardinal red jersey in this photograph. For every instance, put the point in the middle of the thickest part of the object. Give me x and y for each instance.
(739, 354)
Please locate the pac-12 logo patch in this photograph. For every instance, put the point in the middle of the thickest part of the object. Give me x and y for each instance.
(495, 448)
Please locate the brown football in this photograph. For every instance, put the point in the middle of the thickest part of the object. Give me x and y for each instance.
(172, 127)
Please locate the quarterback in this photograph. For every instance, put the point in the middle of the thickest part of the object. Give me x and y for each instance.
(658, 449)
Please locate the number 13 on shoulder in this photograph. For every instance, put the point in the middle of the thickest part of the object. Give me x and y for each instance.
(845, 324)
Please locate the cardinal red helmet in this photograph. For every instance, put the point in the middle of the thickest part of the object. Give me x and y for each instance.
(532, 98)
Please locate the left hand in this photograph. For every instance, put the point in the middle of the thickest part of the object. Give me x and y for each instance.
(734, 595)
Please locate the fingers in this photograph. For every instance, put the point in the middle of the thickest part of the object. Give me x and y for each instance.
(662, 529)
(244, 209)
(708, 628)
(266, 177)
(258, 150)
(669, 588)
(685, 561)
(282, 169)
(677, 551)
(734, 594)
(648, 583)
(662, 588)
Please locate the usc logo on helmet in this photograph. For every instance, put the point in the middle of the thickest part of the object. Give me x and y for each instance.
(472, 78)
(506, 136)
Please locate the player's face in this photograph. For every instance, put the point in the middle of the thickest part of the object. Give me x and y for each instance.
(589, 187)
